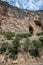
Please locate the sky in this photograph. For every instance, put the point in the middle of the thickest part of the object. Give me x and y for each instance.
(27, 4)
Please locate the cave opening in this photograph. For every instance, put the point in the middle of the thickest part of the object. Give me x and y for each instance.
(38, 23)
(31, 29)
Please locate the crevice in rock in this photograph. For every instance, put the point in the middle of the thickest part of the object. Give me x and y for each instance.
(38, 23)
(30, 29)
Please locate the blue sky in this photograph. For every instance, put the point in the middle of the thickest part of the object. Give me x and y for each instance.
(27, 4)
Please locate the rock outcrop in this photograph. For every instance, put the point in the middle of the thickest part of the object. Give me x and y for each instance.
(18, 20)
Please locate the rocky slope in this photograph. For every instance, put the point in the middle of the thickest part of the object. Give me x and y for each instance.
(20, 21)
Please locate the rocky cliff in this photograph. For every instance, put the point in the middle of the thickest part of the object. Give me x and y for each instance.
(18, 20)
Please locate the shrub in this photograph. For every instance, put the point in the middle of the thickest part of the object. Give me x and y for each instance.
(41, 40)
(37, 44)
(0, 26)
(36, 48)
(39, 34)
(16, 42)
(27, 44)
(34, 52)
(14, 50)
(24, 35)
(9, 35)
(3, 47)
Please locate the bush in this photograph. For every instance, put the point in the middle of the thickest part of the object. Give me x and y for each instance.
(27, 44)
(13, 51)
(24, 35)
(37, 44)
(41, 39)
(34, 51)
(33, 47)
(16, 42)
(0, 27)
(39, 34)
(9, 35)
(3, 47)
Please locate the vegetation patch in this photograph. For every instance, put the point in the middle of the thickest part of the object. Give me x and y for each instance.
(3, 47)
(33, 47)
(13, 51)
(27, 44)
(40, 33)
(41, 40)
(37, 46)
(8, 34)
(24, 35)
